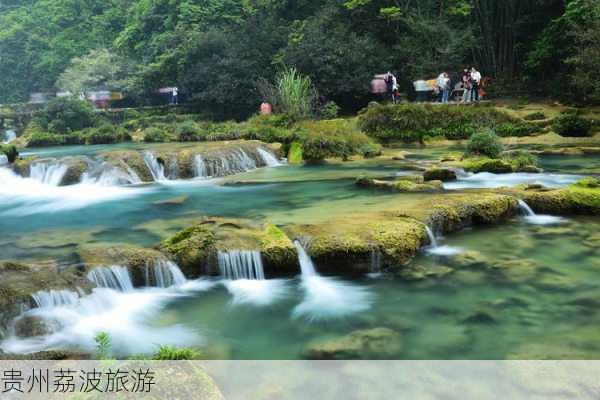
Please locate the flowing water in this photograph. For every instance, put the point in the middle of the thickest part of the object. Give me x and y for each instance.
(522, 288)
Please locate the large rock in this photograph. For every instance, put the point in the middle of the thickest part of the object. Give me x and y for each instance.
(377, 343)
(439, 174)
(406, 184)
(195, 249)
(18, 282)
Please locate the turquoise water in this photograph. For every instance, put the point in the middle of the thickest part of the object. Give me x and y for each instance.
(531, 294)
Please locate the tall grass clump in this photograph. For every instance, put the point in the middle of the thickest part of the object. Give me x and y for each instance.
(293, 94)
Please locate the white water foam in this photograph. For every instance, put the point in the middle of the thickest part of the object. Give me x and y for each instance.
(27, 196)
(9, 136)
(489, 180)
(156, 168)
(325, 297)
(437, 250)
(269, 158)
(535, 219)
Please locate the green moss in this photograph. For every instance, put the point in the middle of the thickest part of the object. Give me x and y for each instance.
(295, 154)
(408, 184)
(10, 151)
(439, 174)
(486, 165)
(582, 197)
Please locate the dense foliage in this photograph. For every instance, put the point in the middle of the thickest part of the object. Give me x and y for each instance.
(485, 143)
(218, 51)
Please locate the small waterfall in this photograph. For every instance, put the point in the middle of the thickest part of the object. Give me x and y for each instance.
(115, 277)
(269, 158)
(200, 167)
(525, 208)
(535, 219)
(108, 175)
(440, 250)
(55, 298)
(3, 159)
(156, 168)
(375, 261)
(49, 173)
(241, 264)
(306, 264)
(164, 274)
(9, 136)
(432, 240)
(173, 169)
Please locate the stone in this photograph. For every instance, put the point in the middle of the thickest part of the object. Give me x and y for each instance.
(175, 201)
(516, 270)
(28, 326)
(479, 317)
(468, 259)
(377, 343)
(439, 174)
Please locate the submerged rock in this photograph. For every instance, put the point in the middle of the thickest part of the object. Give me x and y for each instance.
(468, 259)
(402, 184)
(516, 270)
(377, 343)
(175, 201)
(31, 326)
(439, 174)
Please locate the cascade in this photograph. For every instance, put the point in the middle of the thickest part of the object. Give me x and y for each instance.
(115, 277)
(269, 158)
(432, 240)
(535, 219)
(156, 168)
(108, 175)
(440, 250)
(306, 264)
(164, 274)
(200, 167)
(375, 261)
(55, 298)
(9, 136)
(3, 159)
(241, 264)
(49, 173)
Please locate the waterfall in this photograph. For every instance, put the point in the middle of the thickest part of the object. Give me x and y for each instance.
(241, 264)
(535, 219)
(55, 298)
(432, 240)
(108, 175)
(9, 136)
(49, 173)
(164, 274)
(156, 168)
(3, 159)
(525, 208)
(375, 261)
(440, 250)
(306, 264)
(115, 277)
(326, 297)
(269, 159)
(200, 167)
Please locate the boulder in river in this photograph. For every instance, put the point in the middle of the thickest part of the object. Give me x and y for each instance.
(377, 343)
(439, 174)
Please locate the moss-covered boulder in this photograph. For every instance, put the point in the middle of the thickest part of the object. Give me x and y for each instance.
(581, 198)
(408, 184)
(136, 259)
(195, 249)
(439, 174)
(495, 166)
(10, 151)
(129, 159)
(18, 282)
(76, 167)
(377, 343)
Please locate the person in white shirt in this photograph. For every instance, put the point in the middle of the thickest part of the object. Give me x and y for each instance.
(475, 82)
(175, 94)
(440, 86)
(445, 87)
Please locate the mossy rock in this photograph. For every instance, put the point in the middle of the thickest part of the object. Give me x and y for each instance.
(76, 167)
(10, 151)
(439, 174)
(495, 166)
(22, 166)
(195, 249)
(377, 343)
(125, 159)
(409, 185)
(18, 282)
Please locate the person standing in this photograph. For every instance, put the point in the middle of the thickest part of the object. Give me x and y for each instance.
(392, 85)
(475, 82)
(445, 87)
(175, 99)
(466, 81)
(440, 86)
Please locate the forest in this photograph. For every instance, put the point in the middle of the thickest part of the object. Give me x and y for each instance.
(219, 52)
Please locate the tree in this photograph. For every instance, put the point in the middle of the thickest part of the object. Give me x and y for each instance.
(98, 70)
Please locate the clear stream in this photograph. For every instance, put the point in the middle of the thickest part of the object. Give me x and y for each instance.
(537, 300)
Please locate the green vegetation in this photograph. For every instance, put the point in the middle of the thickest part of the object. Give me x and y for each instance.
(153, 135)
(10, 151)
(172, 353)
(572, 125)
(293, 95)
(63, 114)
(413, 122)
(485, 143)
(103, 346)
(536, 116)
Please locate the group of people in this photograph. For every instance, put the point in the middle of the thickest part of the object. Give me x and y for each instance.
(470, 84)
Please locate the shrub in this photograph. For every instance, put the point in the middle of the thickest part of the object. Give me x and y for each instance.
(334, 138)
(187, 131)
(412, 122)
(295, 153)
(66, 114)
(520, 159)
(485, 143)
(107, 134)
(293, 94)
(572, 125)
(155, 135)
(103, 346)
(371, 150)
(41, 139)
(10, 151)
(330, 110)
(518, 129)
(536, 116)
(172, 353)
(273, 120)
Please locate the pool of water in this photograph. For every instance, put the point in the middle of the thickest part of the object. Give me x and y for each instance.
(537, 301)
